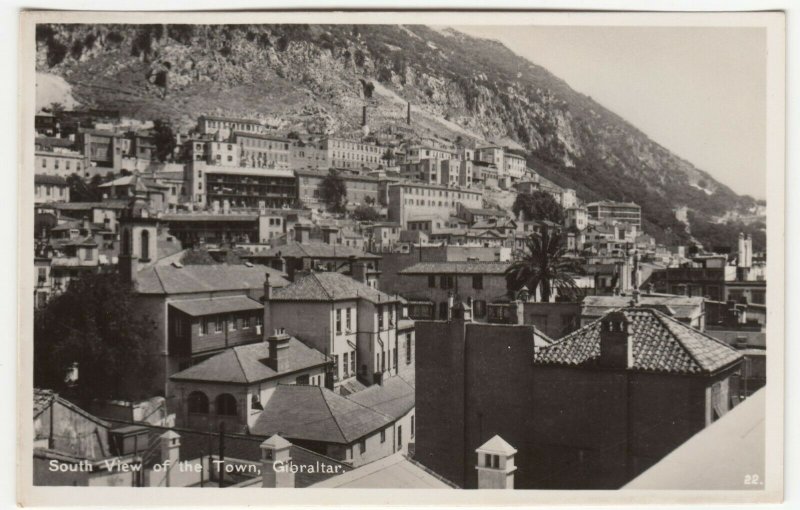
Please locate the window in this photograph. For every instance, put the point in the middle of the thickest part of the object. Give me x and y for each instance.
(383, 362)
(198, 402)
(346, 365)
(477, 281)
(431, 280)
(42, 275)
(362, 446)
(447, 282)
(339, 322)
(353, 362)
(348, 324)
(479, 308)
(394, 359)
(245, 322)
(203, 326)
(380, 318)
(383, 436)
(302, 379)
(399, 437)
(336, 365)
(226, 405)
(232, 323)
(412, 425)
(145, 245)
(259, 320)
(409, 347)
(218, 325)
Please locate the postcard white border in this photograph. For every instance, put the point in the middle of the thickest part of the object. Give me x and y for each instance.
(774, 22)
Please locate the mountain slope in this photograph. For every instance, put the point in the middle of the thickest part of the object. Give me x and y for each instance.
(317, 78)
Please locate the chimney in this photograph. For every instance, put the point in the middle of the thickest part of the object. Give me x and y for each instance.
(615, 348)
(276, 450)
(278, 350)
(359, 271)
(363, 115)
(496, 464)
(302, 233)
(170, 452)
(408, 114)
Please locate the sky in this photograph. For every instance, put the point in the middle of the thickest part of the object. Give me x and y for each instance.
(698, 91)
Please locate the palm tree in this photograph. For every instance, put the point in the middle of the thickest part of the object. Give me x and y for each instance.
(543, 265)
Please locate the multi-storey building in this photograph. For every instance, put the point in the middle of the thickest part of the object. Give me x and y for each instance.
(408, 200)
(590, 411)
(455, 172)
(361, 189)
(225, 126)
(345, 318)
(424, 170)
(50, 188)
(577, 217)
(62, 163)
(627, 212)
(494, 155)
(514, 166)
(308, 154)
(115, 150)
(433, 286)
(352, 154)
(263, 151)
(240, 187)
(417, 153)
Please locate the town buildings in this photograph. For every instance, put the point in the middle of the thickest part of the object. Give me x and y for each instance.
(62, 163)
(352, 154)
(409, 201)
(50, 188)
(589, 411)
(344, 318)
(360, 189)
(626, 212)
(231, 387)
(432, 287)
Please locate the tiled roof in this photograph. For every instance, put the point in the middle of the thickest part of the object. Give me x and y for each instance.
(200, 307)
(323, 416)
(315, 250)
(394, 398)
(659, 344)
(199, 217)
(330, 286)
(393, 472)
(204, 278)
(457, 267)
(83, 206)
(246, 364)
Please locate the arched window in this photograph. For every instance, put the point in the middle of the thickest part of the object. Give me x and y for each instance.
(226, 405)
(145, 245)
(198, 402)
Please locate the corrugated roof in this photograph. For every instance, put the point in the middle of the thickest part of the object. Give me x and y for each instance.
(49, 179)
(659, 344)
(394, 398)
(457, 267)
(200, 307)
(323, 416)
(330, 286)
(246, 364)
(205, 278)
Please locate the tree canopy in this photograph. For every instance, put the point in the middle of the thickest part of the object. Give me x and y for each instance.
(366, 213)
(538, 206)
(334, 191)
(95, 324)
(164, 140)
(543, 265)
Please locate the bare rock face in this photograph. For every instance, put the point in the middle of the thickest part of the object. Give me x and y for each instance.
(317, 78)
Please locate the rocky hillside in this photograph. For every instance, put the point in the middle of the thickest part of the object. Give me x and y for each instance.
(317, 78)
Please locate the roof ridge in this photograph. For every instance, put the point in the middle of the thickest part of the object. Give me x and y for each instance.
(239, 361)
(676, 322)
(330, 411)
(319, 282)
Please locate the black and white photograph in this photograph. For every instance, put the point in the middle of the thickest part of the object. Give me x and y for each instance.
(455, 251)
